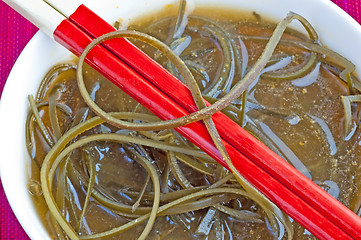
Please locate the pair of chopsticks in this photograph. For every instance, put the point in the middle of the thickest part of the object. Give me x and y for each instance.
(168, 98)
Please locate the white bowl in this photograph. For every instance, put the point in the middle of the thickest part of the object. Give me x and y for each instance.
(337, 30)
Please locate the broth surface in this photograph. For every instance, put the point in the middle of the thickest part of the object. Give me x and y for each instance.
(302, 119)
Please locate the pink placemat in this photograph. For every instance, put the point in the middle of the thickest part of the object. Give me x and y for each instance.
(15, 32)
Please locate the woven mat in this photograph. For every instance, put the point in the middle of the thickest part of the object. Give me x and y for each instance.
(15, 32)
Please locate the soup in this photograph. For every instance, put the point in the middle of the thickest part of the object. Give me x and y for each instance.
(299, 107)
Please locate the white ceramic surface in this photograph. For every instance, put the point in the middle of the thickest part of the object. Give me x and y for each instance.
(337, 30)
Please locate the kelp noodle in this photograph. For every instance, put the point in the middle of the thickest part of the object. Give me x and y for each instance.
(188, 188)
(204, 112)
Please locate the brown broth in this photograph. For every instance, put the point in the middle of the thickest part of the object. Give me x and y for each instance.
(303, 123)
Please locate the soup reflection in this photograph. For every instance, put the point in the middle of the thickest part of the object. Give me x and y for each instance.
(300, 107)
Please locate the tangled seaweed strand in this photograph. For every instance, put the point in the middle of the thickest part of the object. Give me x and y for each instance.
(213, 195)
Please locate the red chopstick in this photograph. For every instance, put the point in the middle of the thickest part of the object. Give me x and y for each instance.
(118, 71)
(229, 131)
(290, 190)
